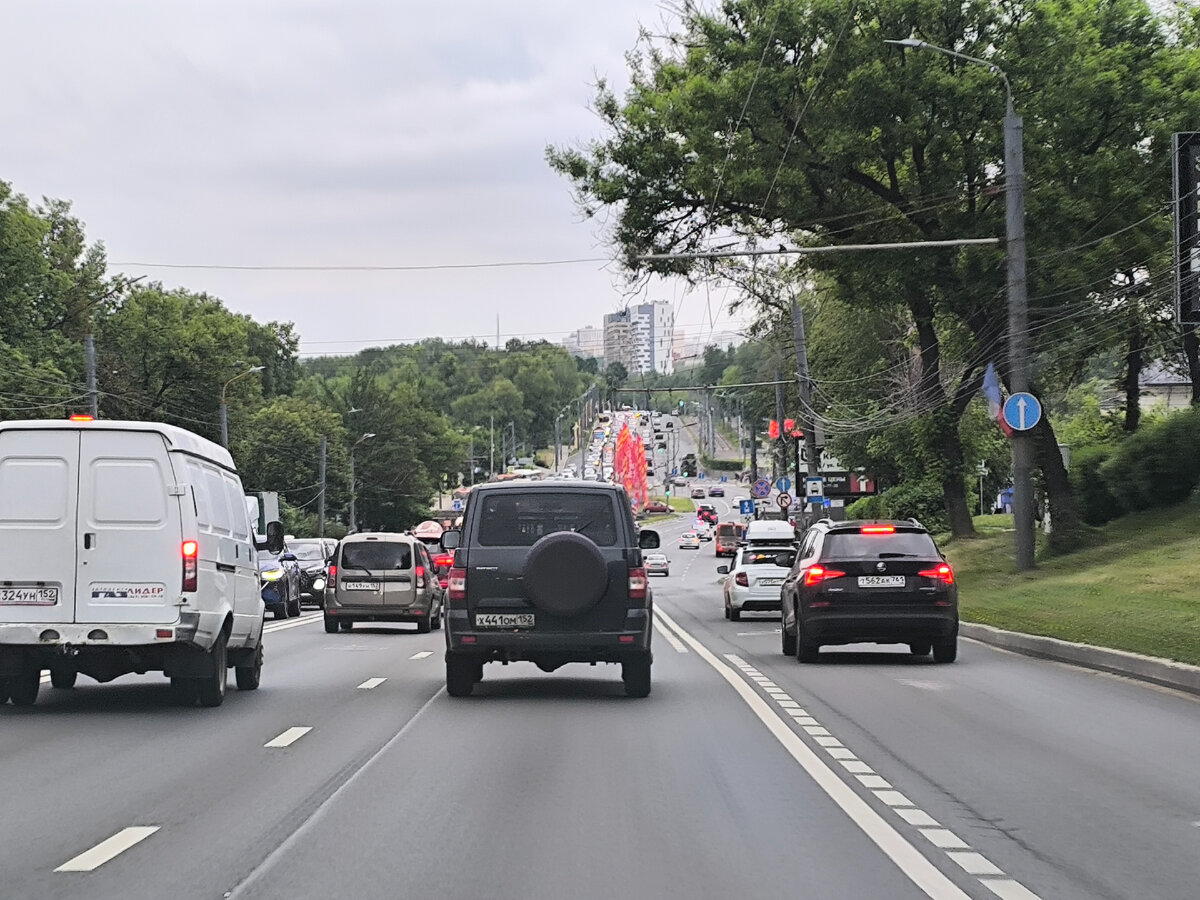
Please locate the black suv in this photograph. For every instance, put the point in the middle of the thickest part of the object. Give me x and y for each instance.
(878, 582)
(548, 572)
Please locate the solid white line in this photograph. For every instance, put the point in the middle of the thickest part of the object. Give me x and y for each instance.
(289, 737)
(670, 638)
(371, 684)
(291, 623)
(422, 655)
(1007, 889)
(93, 859)
(923, 873)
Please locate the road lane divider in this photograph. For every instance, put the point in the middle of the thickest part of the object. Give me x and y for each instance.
(289, 737)
(670, 638)
(371, 683)
(110, 848)
(911, 861)
(424, 654)
(272, 627)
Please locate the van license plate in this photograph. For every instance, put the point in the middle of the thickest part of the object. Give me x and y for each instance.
(29, 596)
(504, 620)
(872, 581)
(361, 585)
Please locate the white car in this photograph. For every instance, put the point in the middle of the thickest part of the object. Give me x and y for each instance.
(657, 564)
(754, 579)
(689, 540)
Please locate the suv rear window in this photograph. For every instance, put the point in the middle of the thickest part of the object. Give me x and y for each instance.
(767, 557)
(377, 555)
(852, 545)
(520, 520)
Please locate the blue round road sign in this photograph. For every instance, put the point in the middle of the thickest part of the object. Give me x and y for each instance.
(784, 484)
(762, 488)
(1022, 411)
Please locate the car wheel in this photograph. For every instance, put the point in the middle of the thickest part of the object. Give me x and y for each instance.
(945, 650)
(23, 687)
(249, 677)
(460, 675)
(635, 672)
(789, 641)
(3, 691)
(331, 625)
(293, 608)
(726, 611)
(920, 649)
(210, 689)
(279, 612)
(735, 615)
(345, 624)
(184, 691)
(807, 650)
(436, 621)
(63, 679)
(479, 672)
(424, 625)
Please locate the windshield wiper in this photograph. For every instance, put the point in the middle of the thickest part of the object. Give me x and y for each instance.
(895, 555)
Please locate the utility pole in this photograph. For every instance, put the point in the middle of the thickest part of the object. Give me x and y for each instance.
(775, 454)
(321, 496)
(492, 456)
(808, 420)
(89, 352)
(471, 463)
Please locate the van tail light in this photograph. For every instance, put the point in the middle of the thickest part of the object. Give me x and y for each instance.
(332, 580)
(191, 565)
(817, 574)
(942, 573)
(420, 576)
(637, 583)
(741, 579)
(456, 584)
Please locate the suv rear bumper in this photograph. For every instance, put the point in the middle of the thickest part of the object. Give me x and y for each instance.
(591, 646)
(890, 626)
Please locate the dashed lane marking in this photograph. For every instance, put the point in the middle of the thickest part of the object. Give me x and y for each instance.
(424, 654)
(371, 683)
(90, 860)
(289, 737)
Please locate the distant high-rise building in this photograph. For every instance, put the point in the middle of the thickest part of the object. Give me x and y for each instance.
(587, 342)
(618, 342)
(642, 338)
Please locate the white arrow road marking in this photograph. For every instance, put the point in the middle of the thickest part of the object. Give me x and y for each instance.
(289, 737)
(108, 849)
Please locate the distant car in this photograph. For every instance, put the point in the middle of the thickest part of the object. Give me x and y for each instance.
(716, 491)
(697, 493)
(657, 564)
(279, 575)
(679, 481)
(689, 540)
(657, 506)
(312, 555)
(754, 579)
(880, 582)
(738, 500)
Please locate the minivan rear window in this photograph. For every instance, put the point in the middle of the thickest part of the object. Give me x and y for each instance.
(851, 545)
(520, 520)
(377, 555)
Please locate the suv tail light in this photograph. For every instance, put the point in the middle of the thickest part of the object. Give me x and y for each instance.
(332, 582)
(456, 584)
(741, 579)
(420, 576)
(942, 573)
(816, 574)
(637, 583)
(191, 564)
(877, 529)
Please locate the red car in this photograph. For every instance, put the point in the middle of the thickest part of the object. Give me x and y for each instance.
(657, 506)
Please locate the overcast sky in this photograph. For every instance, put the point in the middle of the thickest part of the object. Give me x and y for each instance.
(247, 132)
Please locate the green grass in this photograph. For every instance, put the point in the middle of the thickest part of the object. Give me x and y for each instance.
(679, 504)
(1133, 585)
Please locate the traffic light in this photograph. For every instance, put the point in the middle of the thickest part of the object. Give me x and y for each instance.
(773, 430)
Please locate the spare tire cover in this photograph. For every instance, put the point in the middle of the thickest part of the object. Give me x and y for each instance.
(565, 574)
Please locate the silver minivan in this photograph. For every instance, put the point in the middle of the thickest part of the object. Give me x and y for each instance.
(382, 577)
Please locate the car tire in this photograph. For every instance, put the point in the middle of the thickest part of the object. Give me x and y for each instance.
(635, 673)
(184, 691)
(23, 687)
(727, 612)
(564, 574)
(293, 608)
(735, 615)
(460, 674)
(807, 650)
(63, 679)
(789, 641)
(945, 650)
(345, 624)
(920, 648)
(280, 612)
(3, 691)
(331, 625)
(478, 673)
(249, 677)
(210, 689)
(436, 621)
(424, 626)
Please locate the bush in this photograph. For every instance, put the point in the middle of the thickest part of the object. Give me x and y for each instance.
(921, 499)
(721, 465)
(1093, 498)
(1158, 465)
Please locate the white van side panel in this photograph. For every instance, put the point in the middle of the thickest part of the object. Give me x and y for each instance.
(39, 472)
(130, 535)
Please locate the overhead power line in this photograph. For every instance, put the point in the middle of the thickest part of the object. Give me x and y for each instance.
(430, 267)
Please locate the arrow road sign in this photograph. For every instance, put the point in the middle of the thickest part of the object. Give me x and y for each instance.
(762, 488)
(1022, 411)
(784, 484)
(784, 500)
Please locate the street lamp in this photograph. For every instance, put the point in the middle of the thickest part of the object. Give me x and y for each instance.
(1020, 373)
(353, 483)
(225, 408)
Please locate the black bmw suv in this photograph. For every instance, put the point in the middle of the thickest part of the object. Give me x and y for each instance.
(551, 573)
(874, 582)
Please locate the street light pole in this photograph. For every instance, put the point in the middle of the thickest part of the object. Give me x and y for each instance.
(1020, 369)
(225, 407)
(353, 483)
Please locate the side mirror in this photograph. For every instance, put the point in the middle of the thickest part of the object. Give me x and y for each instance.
(274, 536)
(784, 560)
(451, 540)
(722, 570)
(648, 540)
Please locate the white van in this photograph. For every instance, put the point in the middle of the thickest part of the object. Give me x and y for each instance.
(124, 547)
(769, 531)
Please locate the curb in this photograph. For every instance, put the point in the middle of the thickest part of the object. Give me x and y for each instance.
(1153, 669)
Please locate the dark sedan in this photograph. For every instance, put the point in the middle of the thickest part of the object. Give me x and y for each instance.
(312, 556)
(280, 579)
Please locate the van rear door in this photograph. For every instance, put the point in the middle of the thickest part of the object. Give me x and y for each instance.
(38, 499)
(130, 540)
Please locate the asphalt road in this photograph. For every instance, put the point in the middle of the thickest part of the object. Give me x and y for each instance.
(868, 775)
